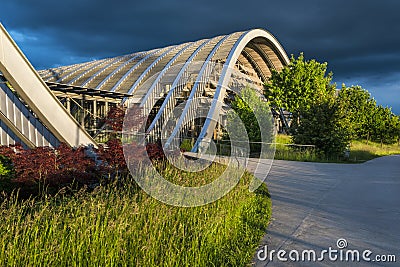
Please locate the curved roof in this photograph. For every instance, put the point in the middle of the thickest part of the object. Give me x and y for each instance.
(256, 49)
(163, 76)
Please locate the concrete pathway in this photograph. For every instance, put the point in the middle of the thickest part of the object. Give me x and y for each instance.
(315, 204)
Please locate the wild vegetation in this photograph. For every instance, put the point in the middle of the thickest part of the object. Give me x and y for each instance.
(74, 210)
(120, 225)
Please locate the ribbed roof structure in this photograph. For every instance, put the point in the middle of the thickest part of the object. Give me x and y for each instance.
(255, 49)
(178, 72)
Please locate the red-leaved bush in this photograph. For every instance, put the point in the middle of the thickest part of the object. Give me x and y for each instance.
(132, 120)
(155, 151)
(115, 118)
(50, 166)
(63, 165)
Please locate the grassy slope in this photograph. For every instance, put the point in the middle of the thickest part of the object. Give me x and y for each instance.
(360, 151)
(122, 226)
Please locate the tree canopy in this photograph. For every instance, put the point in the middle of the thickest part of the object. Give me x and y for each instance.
(300, 85)
(368, 120)
(358, 105)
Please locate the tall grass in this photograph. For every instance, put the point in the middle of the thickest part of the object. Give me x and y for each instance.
(120, 225)
(285, 152)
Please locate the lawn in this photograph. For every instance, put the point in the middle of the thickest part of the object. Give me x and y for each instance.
(120, 225)
(360, 151)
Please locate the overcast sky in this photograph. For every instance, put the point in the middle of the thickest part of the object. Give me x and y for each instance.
(360, 39)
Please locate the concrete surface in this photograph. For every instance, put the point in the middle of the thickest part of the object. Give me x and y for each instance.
(315, 204)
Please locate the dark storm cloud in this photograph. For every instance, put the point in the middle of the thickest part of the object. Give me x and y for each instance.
(359, 39)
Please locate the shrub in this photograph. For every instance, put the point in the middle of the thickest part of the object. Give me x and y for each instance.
(186, 145)
(30, 169)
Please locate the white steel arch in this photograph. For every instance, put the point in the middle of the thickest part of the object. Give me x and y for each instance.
(236, 50)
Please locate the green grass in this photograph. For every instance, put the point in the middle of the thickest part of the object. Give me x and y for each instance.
(283, 139)
(286, 152)
(122, 226)
(360, 151)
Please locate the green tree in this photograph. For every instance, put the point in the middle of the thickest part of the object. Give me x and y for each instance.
(326, 126)
(304, 88)
(393, 128)
(359, 107)
(397, 129)
(368, 120)
(384, 125)
(299, 86)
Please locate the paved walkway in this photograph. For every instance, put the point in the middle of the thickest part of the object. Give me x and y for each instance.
(315, 204)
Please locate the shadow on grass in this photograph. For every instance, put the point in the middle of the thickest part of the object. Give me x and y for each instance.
(360, 156)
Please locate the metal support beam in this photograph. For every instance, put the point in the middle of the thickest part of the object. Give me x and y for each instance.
(37, 95)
